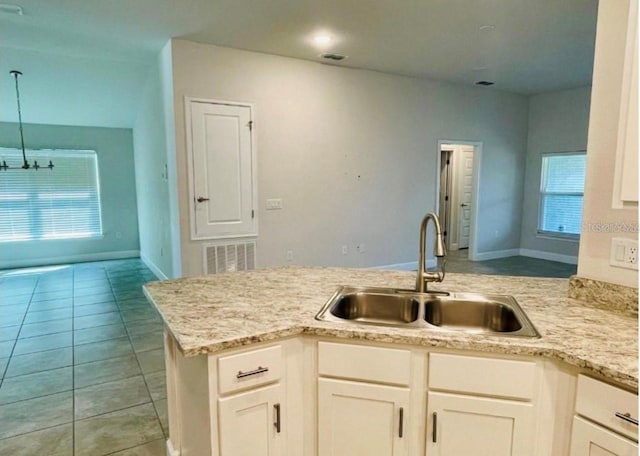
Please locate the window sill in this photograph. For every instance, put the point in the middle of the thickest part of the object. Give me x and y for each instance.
(558, 236)
(75, 239)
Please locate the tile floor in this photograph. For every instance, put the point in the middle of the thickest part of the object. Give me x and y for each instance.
(458, 261)
(81, 362)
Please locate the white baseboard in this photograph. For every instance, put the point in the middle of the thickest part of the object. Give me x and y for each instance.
(170, 450)
(151, 265)
(83, 258)
(483, 256)
(569, 259)
(411, 266)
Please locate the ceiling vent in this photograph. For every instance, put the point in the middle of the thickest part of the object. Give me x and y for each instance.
(334, 57)
(485, 83)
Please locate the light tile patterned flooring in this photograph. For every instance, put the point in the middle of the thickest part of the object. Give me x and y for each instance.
(81, 362)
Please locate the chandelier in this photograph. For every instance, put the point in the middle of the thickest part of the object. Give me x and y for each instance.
(25, 162)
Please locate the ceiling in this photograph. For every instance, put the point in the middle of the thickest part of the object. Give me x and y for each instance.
(82, 52)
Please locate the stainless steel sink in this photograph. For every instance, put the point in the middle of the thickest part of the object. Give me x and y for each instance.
(444, 312)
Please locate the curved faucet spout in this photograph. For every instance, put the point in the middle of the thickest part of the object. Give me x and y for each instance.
(440, 252)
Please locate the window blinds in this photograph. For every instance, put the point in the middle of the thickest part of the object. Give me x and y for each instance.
(62, 203)
(562, 193)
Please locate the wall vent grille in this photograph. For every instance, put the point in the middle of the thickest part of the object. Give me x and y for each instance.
(229, 257)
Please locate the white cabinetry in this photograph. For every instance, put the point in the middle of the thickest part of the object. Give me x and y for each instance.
(481, 406)
(603, 423)
(251, 423)
(367, 409)
(360, 418)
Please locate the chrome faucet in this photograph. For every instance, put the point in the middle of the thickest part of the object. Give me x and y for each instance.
(423, 275)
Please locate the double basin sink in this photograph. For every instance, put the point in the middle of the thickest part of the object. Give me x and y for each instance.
(438, 311)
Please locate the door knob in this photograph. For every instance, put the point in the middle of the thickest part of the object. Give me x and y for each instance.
(202, 199)
(464, 205)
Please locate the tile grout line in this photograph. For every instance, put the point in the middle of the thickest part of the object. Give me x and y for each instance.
(144, 378)
(13, 347)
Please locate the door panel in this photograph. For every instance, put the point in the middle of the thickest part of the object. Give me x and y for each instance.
(361, 419)
(247, 423)
(588, 439)
(222, 170)
(466, 197)
(479, 426)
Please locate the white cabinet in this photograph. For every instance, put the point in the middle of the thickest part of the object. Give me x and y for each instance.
(589, 439)
(364, 406)
(603, 425)
(479, 426)
(357, 418)
(481, 406)
(251, 423)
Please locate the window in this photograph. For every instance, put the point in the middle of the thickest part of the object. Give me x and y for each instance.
(561, 194)
(63, 203)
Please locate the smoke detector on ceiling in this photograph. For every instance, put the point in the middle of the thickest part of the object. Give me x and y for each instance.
(334, 57)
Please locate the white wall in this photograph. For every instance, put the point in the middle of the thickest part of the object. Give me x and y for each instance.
(595, 244)
(114, 149)
(352, 153)
(558, 122)
(155, 171)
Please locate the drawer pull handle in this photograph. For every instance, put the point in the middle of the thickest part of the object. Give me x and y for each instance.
(401, 424)
(627, 418)
(434, 434)
(259, 370)
(276, 408)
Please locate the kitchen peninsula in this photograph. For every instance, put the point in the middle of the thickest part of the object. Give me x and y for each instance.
(242, 348)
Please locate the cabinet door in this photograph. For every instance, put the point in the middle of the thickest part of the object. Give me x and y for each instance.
(467, 425)
(588, 439)
(362, 419)
(251, 423)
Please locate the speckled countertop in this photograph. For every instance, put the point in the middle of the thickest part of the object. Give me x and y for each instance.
(217, 312)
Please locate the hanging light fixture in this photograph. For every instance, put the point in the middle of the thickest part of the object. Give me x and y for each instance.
(25, 162)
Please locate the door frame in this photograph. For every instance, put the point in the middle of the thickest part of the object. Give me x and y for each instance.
(477, 163)
(190, 170)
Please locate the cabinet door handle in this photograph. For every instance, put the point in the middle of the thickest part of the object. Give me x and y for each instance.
(434, 434)
(401, 423)
(259, 370)
(276, 423)
(627, 417)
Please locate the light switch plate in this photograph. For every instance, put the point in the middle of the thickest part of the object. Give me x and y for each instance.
(624, 253)
(274, 203)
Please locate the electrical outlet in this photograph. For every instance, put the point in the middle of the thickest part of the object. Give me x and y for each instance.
(289, 255)
(360, 248)
(345, 250)
(624, 253)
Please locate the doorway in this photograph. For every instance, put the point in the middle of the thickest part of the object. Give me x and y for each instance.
(457, 201)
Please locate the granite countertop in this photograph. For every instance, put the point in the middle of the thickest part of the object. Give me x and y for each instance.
(217, 312)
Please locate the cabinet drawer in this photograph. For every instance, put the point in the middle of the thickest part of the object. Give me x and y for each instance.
(358, 362)
(473, 375)
(249, 369)
(600, 402)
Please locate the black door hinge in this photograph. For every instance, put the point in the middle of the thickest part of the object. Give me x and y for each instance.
(250, 125)
(252, 213)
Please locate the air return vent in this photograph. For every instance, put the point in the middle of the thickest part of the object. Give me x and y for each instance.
(229, 256)
(334, 57)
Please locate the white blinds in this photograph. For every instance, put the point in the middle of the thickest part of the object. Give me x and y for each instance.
(62, 203)
(562, 190)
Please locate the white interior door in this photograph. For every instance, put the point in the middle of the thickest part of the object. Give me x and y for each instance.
(465, 185)
(222, 170)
